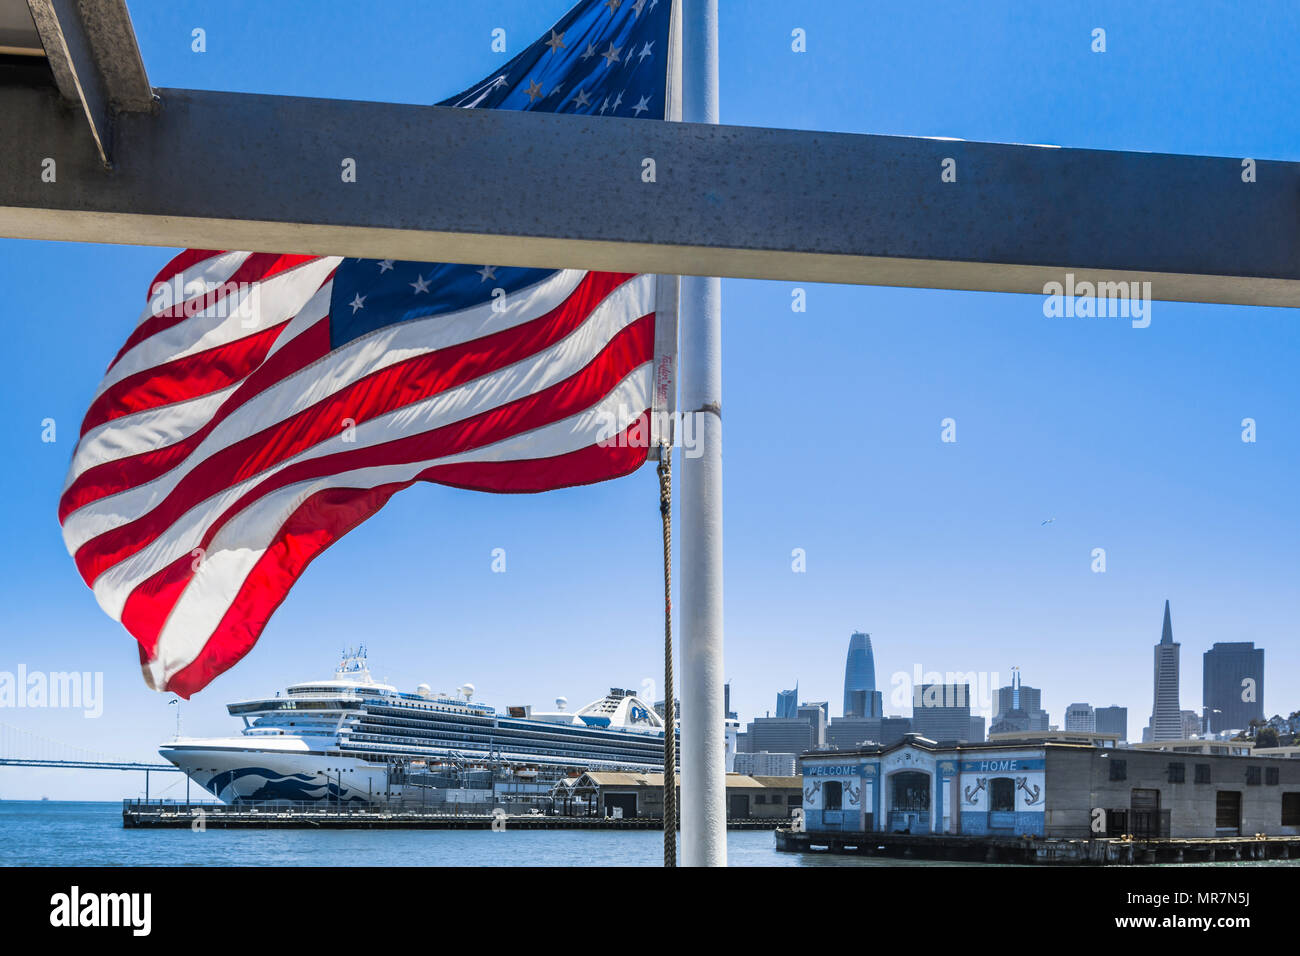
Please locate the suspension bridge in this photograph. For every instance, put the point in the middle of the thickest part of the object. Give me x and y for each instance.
(23, 748)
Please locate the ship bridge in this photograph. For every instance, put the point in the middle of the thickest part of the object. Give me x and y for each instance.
(621, 709)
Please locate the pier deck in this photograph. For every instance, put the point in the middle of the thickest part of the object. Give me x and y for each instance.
(1033, 852)
(168, 816)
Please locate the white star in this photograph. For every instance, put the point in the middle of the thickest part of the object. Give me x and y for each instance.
(638, 7)
(534, 91)
(487, 272)
(556, 42)
(581, 100)
(590, 52)
(611, 55)
(358, 303)
(604, 106)
(645, 52)
(616, 103)
(499, 81)
(641, 106)
(419, 285)
(558, 88)
(385, 266)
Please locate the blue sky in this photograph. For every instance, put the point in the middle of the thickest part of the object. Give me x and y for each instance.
(1128, 438)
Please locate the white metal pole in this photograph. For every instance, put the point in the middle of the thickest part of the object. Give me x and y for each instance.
(704, 792)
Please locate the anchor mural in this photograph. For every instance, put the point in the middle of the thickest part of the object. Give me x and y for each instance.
(973, 792)
(1033, 798)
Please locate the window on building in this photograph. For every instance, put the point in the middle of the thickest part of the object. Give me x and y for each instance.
(832, 795)
(1002, 794)
(1291, 809)
(1271, 776)
(794, 800)
(1202, 773)
(911, 791)
(760, 798)
(1177, 772)
(1253, 776)
(1118, 769)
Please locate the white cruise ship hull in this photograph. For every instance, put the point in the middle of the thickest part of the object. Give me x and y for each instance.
(231, 771)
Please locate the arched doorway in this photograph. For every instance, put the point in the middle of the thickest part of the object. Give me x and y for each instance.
(909, 802)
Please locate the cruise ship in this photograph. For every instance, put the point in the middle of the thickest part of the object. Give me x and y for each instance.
(352, 739)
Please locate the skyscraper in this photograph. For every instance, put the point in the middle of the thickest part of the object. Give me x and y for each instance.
(1166, 715)
(1019, 708)
(1081, 717)
(1113, 721)
(787, 702)
(861, 699)
(815, 713)
(1232, 689)
(941, 711)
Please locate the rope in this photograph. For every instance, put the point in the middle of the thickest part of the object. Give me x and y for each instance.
(670, 706)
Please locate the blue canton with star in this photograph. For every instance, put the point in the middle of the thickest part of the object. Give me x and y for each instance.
(604, 58)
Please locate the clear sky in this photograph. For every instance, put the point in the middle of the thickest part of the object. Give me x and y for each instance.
(1130, 439)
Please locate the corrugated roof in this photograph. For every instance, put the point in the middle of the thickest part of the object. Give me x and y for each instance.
(783, 783)
(615, 778)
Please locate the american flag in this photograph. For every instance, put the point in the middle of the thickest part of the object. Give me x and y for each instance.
(267, 404)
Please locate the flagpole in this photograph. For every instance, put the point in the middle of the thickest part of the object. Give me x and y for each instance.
(703, 761)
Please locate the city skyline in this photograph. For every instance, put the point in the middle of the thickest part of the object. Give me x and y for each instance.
(1094, 710)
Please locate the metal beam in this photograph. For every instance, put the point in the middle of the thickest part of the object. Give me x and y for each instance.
(18, 36)
(91, 48)
(242, 171)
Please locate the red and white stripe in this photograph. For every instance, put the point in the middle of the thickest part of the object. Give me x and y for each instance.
(215, 462)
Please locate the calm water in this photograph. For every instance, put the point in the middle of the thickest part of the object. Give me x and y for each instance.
(50, 833)
(54, 833)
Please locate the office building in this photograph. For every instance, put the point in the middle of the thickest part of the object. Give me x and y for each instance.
(941, 712)
(779, 735)
(1232, 688)
(1166, 715)
(861, 699)
(767, 765)
(1080, 717)
(1019, 708)
(815, 712)
(855, 731)
(1113, 721)
(787, 702)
